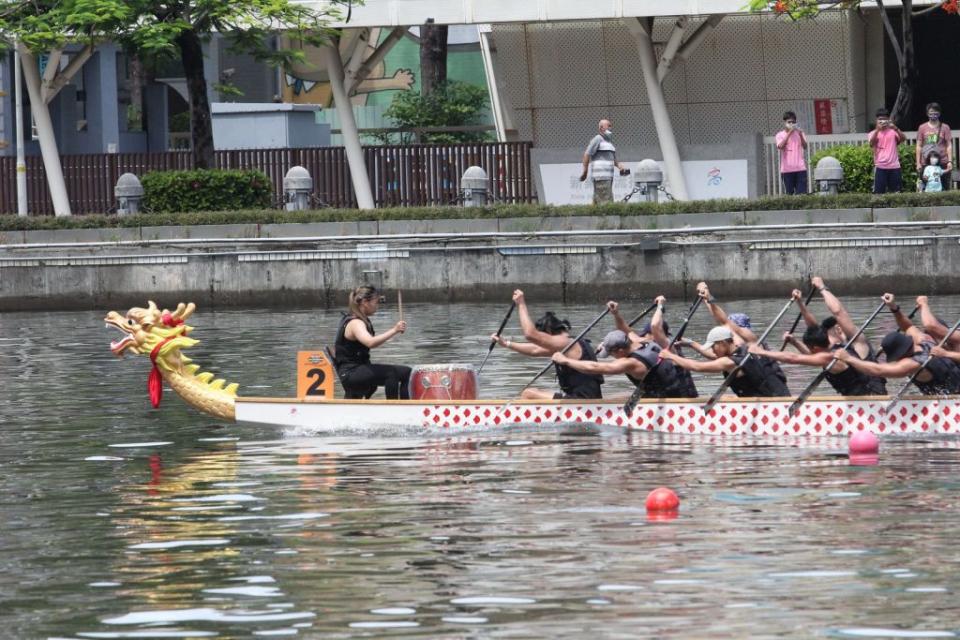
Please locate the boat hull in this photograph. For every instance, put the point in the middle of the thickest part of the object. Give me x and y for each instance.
(763, 417)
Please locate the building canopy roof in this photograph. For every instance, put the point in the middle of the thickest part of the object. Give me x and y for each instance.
(398, 13)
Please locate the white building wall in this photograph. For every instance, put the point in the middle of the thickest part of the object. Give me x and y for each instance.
(560, 78)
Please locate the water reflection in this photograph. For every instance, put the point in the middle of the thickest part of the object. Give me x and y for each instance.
(121, 521)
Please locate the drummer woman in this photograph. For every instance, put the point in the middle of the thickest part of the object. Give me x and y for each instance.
(547, 336)
(355, 338)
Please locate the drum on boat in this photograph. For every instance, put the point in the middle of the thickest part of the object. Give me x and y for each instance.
(444, 382)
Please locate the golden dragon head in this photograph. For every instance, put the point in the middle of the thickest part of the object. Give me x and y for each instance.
(146, 329)
(161, 335)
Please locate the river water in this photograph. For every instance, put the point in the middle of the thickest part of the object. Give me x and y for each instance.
(120, 521)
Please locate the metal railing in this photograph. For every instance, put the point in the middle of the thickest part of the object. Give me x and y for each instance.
(400, 175)
(815, 143)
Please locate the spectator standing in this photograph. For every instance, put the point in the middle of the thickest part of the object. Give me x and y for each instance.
(931, 176)
(934, 135)
(792, 142)
(885, 138)
(600, 159)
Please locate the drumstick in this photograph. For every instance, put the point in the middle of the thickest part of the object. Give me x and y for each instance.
(400, 304)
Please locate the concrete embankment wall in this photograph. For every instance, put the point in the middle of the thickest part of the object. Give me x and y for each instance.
(864, 251)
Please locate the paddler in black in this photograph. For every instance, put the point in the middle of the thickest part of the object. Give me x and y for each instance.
(646, 344)
(355, 338)
(755, 379)
(547, 336)
(905, 353)
(823, 339)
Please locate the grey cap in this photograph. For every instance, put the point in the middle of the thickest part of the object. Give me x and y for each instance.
(616, 339)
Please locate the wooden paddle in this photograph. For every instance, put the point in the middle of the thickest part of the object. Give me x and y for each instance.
(923, 366)
(503, 324)
(796, 322)
(732, 375)
(823, 374)
(400, 304)
(634, 398)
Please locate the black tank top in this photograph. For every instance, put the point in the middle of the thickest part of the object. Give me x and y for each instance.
(663, 380)
(577, 384)
(852, 382)
(350, 353)
(761, 378)
(945, 374)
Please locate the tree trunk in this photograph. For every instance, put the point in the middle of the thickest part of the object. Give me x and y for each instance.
(903, 107)
(137, 82)
(433, 57)
(201, 126)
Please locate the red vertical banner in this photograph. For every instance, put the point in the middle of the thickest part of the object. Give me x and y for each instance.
(823, 116)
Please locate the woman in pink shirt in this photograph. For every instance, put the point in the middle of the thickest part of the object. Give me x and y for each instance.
(793, 165)
(885, 138)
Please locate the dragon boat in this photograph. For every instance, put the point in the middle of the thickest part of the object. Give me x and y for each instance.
(162, 335)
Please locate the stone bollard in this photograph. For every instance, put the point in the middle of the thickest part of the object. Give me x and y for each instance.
(648, 178)
(828, 175)
(129, 193)
(297, 187)
(473, 187)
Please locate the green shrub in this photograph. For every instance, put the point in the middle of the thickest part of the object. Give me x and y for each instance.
(926, 204)
(857, 163)
(205, 190)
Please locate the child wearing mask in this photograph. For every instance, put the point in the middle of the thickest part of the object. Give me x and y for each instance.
(932, 182)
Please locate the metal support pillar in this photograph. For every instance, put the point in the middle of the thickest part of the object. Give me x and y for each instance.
(348, 128)
(640, 29)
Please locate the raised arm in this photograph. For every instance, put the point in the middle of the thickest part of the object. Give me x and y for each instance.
(903, 322)
(696, 346)
(720, 316)
(808, 318)
(932, 325)
(789, 338)
(530, 332)
(656, 324)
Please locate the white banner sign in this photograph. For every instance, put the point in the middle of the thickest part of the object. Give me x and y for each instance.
(706, 180)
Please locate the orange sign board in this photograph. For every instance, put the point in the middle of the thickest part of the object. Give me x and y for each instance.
(314, 375)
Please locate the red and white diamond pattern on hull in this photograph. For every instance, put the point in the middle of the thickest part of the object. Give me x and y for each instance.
(819, 418)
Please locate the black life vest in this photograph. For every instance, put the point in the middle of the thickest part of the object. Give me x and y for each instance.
(852, 382)
(761, 377)
(350, 353)
(945, 374)
(664, 379)
(576, 384)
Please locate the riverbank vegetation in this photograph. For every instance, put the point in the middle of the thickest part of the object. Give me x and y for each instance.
(926, 203)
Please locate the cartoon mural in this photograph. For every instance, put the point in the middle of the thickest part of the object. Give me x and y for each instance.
(308, 83)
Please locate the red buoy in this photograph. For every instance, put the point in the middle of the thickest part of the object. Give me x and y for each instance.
(864, 443)
(662, 499)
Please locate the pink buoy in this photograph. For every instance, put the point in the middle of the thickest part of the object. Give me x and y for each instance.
(661, 500)
(864, 443)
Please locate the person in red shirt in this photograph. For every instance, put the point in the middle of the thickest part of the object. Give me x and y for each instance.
(885, 140)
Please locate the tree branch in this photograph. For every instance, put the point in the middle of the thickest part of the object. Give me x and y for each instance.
(890, 32)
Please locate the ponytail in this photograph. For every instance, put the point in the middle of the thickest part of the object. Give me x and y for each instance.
(358, 295)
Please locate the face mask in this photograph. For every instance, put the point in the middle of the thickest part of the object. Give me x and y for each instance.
(934, 117)
(791, 125)
(608, 134)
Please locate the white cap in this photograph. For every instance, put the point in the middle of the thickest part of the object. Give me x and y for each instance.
(718, 334)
